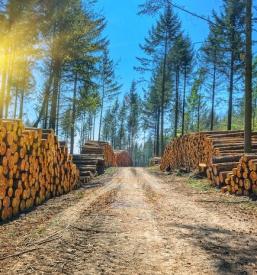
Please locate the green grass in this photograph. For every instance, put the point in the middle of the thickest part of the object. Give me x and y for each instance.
(111, 171)
(200, 185)
(80, 194)
(154, 169)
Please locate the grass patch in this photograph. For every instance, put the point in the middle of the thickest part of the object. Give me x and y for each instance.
(154, 169)
(201, 185)
(80, 194)
(111, 171)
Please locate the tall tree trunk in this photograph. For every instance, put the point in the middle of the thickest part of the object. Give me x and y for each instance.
(58, 108)
(21, 104)
(254, 113)
(248, 79)
(9, 85)
(101, 112)
(163, 91)
(184, 101)
(44, 107)
(22, 98)
(231, 80)
(73, 113)
(231, 89)
(53, 112)
(15, 102)
(176, 104)
(155, 138)
(158, 134)
(94, 125)
(3, 84)
(198, 113)
(213, 96)
(46, 116)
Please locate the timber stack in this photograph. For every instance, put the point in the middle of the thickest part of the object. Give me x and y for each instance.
(155, 161)
(123, 158)
(242, 180)
(109, 156)
(217, 155)
(34, 167)
(94, 158)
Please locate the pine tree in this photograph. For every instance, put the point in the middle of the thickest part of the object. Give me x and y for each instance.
(157, 47)
(195, 100)
(248, 78)
(122, 115)
(211, 56)
(108, 85)
(133, 117)
(230, 41)
(180, 58)
(187, 59)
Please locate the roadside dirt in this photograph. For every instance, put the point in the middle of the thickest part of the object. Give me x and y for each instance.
(134, 222)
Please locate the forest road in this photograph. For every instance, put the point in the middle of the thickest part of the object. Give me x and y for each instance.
(134, 223)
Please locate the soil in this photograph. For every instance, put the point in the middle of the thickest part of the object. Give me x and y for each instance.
(137, 221)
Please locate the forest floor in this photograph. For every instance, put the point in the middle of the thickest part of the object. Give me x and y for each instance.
(134, 221)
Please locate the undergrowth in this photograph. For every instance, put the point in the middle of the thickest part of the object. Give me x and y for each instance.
(199, 184)
(111, 171)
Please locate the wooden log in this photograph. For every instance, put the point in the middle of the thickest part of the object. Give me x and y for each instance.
(229, 158)
(227, 166)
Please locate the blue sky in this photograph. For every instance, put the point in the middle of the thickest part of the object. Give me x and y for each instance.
(126, 30)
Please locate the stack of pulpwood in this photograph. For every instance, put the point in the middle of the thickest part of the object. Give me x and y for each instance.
(109, 155)
(34, 167)
(242, 180)
(187, 152)
(94, 158)
(219, 155)
(229, 149)
(123, 158)
(155, 161)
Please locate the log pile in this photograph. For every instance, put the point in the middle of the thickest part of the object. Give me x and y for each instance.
(242, 179)
(34, 167)
(100, 148)
(123, 158)
(155, 161)
(94, 158)
(109, 155)
(190, 150)
(89, 165)
(219, 155)
(229, 149)
(187, 152)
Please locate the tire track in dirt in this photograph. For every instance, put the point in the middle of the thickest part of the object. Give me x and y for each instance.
(208, 240)
(52, 257)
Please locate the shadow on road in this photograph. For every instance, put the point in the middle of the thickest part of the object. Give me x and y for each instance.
(231, 251)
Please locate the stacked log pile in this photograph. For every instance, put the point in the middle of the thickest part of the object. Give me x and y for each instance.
(94, 158)
(228, 149)
(187, 152)
(89, 165)
(109, 156)
(123, 158)
(217, 154)
(155, 161)
(242, 180)
(34, 167)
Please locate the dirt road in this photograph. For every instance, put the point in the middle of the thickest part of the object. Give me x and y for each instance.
(134, 223)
